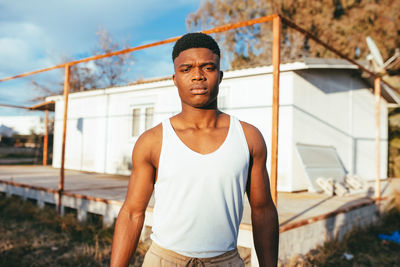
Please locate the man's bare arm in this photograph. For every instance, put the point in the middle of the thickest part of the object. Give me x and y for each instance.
(264, 216)
(130, 219)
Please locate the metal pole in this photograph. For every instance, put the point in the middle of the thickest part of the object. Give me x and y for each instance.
(276, 58)
(378, 137)
(46, 138)
(66, 92)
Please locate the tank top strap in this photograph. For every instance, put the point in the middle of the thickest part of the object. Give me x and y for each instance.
(168, 131)
(235, 134)
(238, 129)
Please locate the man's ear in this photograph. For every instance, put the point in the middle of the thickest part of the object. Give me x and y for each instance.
(173, 78)
(221, 75)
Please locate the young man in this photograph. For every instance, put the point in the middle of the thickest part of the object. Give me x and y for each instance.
(199, 163)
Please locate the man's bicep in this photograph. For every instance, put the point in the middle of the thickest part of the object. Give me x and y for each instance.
(141, 182)
(258, 188)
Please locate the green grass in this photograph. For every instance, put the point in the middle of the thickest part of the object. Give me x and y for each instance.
(31, 236)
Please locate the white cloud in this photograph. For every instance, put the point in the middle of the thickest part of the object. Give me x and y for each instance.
(73, 23)
(47, 28)
(38, 34)
(22, 46)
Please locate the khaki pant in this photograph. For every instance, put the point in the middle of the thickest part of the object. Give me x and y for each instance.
(157, 256)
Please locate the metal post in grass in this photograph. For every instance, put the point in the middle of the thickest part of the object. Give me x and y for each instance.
(276, 58)
(46, 138)
(66, 93)
(377, 92)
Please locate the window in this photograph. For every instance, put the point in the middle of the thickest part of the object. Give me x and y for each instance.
(142, 119)
(149, 118)
(136, 122)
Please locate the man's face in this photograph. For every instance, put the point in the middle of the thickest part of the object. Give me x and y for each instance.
(197, 77)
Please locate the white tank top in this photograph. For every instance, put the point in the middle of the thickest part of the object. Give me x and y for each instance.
(199, 197)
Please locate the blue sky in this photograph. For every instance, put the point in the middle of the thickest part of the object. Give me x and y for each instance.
(37, 34)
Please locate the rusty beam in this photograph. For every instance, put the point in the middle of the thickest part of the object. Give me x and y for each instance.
(66, 93)
(290, 226)
(46, 138)
(296, 27)
(246, 23)
(13, 106)
(141, 47)
(69, 194)
(45, 189)
(282, 228)
(377, 91)
(291, 24)
(276, 57)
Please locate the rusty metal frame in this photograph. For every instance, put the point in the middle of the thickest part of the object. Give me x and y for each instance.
(141, 47)
(377, 92)
(277, 21)
(46, 138)
(365, 203)
(14, 106)
(276, 61)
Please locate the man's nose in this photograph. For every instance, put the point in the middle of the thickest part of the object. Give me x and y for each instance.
(198, 74)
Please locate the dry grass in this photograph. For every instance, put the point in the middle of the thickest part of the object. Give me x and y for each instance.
(39, 237)
(363, 244)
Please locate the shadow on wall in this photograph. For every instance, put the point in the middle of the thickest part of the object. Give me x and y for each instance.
(336, 82)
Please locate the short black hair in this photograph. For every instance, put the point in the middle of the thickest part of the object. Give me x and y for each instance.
(195, 40)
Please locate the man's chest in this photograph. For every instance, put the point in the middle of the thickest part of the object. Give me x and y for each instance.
(203, 141)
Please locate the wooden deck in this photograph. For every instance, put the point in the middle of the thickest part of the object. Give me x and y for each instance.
(292, 207)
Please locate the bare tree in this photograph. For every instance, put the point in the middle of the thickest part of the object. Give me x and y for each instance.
(102, 73)
(111, 70)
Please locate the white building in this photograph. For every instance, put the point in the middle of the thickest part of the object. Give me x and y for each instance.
(326, 110)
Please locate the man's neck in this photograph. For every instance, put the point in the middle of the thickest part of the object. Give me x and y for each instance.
(199, 117)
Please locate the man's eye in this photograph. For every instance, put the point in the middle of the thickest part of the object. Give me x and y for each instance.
(210, 68)
(185, 70)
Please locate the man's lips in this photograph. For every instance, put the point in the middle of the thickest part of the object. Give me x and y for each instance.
(198, 90)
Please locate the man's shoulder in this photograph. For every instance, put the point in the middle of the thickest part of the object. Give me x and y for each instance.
(254, 137)
(250, 130)
(150, 139)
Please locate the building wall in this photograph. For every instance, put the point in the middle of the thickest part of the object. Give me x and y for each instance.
(99, 128)
(333, 108)
(162, 96)
(316, 107)
(99, 124)
(250, 99)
